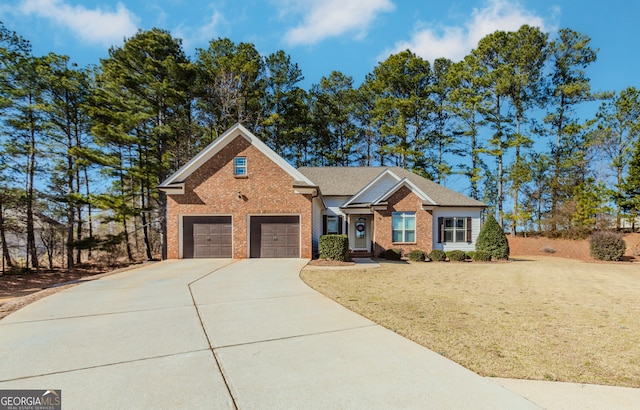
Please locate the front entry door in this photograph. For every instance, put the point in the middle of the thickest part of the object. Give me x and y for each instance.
(361, 228)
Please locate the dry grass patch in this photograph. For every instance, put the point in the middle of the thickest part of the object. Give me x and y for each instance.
(544, 318)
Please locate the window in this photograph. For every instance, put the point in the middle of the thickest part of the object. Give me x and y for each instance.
(240, 166)
(403, 225)
(332, 225)
(454, 229)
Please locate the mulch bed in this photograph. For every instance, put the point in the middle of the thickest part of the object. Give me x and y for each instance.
(329, 262)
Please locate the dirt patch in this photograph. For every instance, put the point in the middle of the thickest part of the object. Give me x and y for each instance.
(16, 285)
(566, 248)
(535, 317)
(19, 290)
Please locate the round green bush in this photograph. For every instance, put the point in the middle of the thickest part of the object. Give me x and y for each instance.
(392, 254)
(438, 255)
(481, 256)
(470, 254)
(417, 255)
(457, 256)
(492, 239)
(607, 246)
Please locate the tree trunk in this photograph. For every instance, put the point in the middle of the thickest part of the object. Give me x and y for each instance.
(556, 175)
(5, 248)
(163, 224)
(78, 217)
(516, 183)
(126, 239)
(474, 160)
(32, 251)
(145, 223)
(89, 213)
(70, 208)
(499, 161)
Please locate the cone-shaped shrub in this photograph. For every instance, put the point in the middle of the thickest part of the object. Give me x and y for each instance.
(492, 239)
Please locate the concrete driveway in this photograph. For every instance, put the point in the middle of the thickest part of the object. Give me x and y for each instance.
(224, 334)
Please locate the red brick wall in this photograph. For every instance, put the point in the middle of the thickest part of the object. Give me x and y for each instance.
(213, 190)
(403, 201)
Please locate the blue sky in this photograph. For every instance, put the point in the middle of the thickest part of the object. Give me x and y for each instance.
(324, 35)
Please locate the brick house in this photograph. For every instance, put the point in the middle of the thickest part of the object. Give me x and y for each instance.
(238, 198)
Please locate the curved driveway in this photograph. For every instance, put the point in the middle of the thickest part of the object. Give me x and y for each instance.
(216, 334)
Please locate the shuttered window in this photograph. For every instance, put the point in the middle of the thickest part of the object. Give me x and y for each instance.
(454, 230)
(332, 225)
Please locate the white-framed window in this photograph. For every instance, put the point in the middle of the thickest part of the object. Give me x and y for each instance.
(333, 227)
(455, 229)
(403, 225)
(240, 166)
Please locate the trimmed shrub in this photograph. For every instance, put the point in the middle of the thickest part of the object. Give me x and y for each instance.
(417, 255)
(438, 255)
(334, 247)
(471, 254)
(392, 254)
(481, 256)
(457, 256)
(607, 246)
(492, 239)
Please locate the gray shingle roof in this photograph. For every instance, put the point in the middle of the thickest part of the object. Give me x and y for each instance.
(347, 181)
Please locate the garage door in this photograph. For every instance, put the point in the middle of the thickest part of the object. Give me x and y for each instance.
(275, 237)
(207, 237)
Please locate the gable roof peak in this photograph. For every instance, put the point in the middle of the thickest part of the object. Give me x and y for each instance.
(178, 177)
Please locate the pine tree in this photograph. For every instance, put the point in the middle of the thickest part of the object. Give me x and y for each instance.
(333, 105)
(591, 199)
(467, 103)
(618, 129)
(492, 239)
(492, 71)
(631, 187)
(285, 106)
(400, 87)
(140, 106)
(26, 125)
(569, 55)
(230, 86)
(440, 138)
(66, 91)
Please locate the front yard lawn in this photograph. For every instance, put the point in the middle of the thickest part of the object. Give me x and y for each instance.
(543, 318)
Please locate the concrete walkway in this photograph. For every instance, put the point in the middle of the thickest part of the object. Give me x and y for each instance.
(225, 334)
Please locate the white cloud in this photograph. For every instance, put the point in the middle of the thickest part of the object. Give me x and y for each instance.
(96, 26)
(455, 42)
(331, 18)
(201, 36)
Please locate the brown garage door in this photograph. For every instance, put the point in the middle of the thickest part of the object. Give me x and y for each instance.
(275, 237)
(207, 237)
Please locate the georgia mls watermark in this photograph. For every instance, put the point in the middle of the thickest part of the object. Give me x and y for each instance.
(30, 399)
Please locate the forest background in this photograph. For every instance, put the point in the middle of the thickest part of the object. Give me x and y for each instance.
(515, 124)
